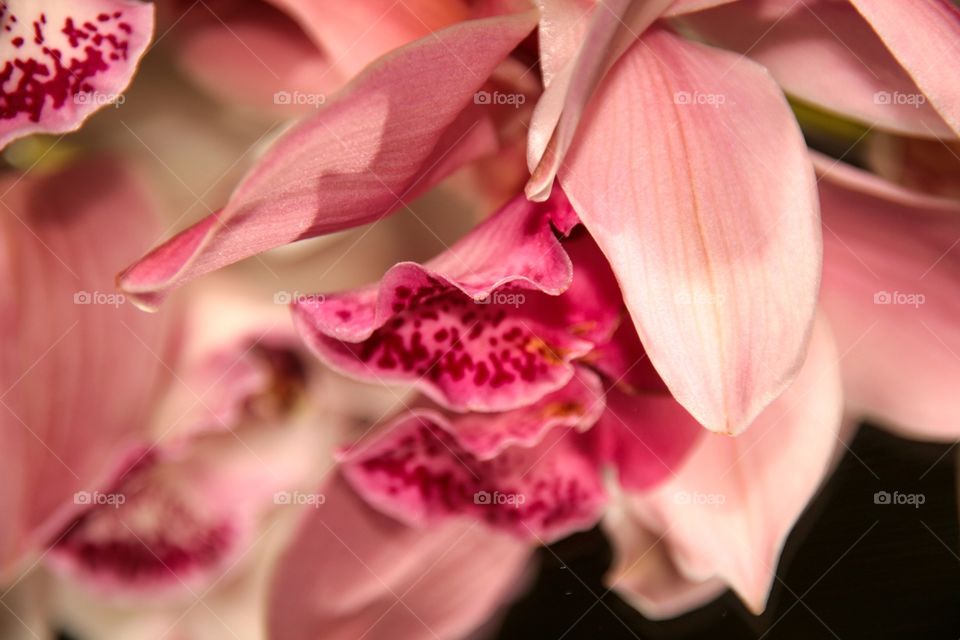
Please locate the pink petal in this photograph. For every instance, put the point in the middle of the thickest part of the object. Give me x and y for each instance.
(352, 163)
(730, 506)
(80, 367)
(181, 518)
(921, 36)
(721, 290)
(256, 377)
(891, 272)
(798, 41)
(644, 572)
(578, 405)
(647, 437)
(418, 471)
(613, 25)
(249, 54)
(473, 328)
(61, 61)
(355, 33)
(352, 572)
(287, 59)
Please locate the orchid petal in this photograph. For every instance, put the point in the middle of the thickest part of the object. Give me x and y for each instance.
(647, 437)
(355, 33)
(921, 36)
(718, 261)
(62, 61)
(181, 518)
(418, 471)
(474, 328)
(253, 55)
(644, 572)
(729, 508)
(796, 41)
(352, 572)
(891, 272)
(562, 105)
(355, 161)
(80, 367)
(578, 405)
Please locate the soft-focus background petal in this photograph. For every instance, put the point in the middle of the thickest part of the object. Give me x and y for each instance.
(80, 365)
(351, 572)
(890, 281)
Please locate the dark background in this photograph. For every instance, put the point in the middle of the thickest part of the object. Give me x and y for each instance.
(900, 581)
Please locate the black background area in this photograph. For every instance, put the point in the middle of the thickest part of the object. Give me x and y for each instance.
(851, 569)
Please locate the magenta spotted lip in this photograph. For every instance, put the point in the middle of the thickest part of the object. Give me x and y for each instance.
(60, 62)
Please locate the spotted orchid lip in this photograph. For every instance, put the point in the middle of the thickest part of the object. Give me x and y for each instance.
(422, 469)
(146, 534)
(485, 326)
(62, 61)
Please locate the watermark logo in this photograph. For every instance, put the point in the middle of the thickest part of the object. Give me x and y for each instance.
(99, 99)
(99, 298)
(499, 498)
(299, 498)
(97, 498)
(299, 98)
(914, 100)
(899, 298)
(697, 498)
(289, 297)
(699, 98)
(503, 298)
(911, 499)
(497, 98)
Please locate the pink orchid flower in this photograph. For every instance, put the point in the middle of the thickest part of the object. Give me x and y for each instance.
(537, 383)
(722, 294)
(153, 460)
(712, 242)
(62, 61)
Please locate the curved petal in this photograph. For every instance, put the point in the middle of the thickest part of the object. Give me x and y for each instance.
(80, 367)
(474, 328)
(921, 36)
(719, 261)
(799, 41)
(578, 406)
(891, 272)
(727, 512)
(614, 24)
(367, 150)
(418, 471)
(643, 571)
(61, 61)
(352, 572)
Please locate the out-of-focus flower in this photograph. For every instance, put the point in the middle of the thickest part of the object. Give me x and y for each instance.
(890, 275)
(70, 415)
(61, 61)
(156, 461)
(287, 57)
